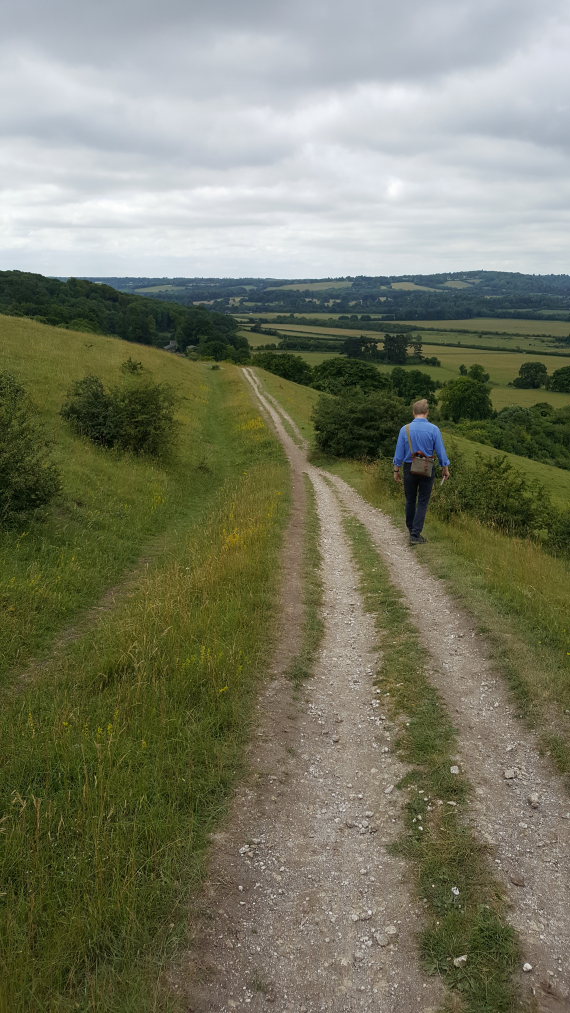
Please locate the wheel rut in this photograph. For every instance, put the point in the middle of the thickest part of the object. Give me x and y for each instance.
(306, 908)
(521, 808)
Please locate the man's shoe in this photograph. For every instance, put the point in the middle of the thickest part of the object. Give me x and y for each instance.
(417, 540)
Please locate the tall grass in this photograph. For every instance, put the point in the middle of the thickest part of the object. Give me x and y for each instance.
(118, 761)
(111, 504)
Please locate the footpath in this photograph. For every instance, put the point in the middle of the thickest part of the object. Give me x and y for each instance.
(309, 906)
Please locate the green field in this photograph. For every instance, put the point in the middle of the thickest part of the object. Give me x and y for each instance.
(500, 341)
(313, 286)
(410, 286)
(497, 325)
(501, 366)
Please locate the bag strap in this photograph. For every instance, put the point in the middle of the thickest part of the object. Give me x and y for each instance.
(410, 438)
(419, 452)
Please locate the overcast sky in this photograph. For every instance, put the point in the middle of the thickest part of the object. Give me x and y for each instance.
(305, 138)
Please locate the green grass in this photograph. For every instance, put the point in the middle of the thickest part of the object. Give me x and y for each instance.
(436, 336)
(498, 325)
(113, 507)
(118, 761)
(437, 840)
(410, 286)
(517, 593)
(313, 286)
(313, 625)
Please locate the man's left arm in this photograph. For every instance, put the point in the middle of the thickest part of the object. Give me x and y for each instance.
(442, 454)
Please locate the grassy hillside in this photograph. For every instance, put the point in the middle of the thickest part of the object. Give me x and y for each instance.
(517, 591)
(111, 506)
(120, 750)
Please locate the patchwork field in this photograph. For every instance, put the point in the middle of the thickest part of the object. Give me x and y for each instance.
(502, 367)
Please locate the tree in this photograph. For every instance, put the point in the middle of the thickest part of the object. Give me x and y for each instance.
(395, 348)
(417, 346)
(532, 375)
(359, 425)
(463, 370)
(477, 372)
(28, 478)
(361, 348)
(412, 384)
(337, 375)
(290, 367)
(465, 399)
(560, 380)
(137, 416)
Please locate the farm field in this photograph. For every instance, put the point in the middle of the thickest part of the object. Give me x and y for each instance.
(501, 366)
(314, 286)
(141, 610)
(497, 325)
(528, 343)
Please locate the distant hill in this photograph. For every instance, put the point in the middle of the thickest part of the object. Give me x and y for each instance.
(447, 296)
(82, 305)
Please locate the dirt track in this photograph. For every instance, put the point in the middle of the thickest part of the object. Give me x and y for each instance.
(305, 909)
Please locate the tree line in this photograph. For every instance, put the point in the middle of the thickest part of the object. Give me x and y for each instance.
(99, 309)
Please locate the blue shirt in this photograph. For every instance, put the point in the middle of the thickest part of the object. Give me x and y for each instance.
(425, 437)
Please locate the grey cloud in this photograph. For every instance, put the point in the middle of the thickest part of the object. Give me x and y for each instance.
(329, 138)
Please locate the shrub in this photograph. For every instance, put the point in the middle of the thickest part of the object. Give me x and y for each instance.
(560, 380)
(290, 367)
(465, 399)
(28, 479)
(412, 384)
(337, 375)
(89, 411)
(497, 493)
(131, 365)
(359, 425)
(143, 416)
(136, 416)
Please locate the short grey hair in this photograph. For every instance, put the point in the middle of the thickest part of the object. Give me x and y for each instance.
(421, 407)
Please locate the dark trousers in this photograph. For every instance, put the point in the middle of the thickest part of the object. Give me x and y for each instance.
(418, 491)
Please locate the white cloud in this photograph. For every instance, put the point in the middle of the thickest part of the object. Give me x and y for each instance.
(296, 139)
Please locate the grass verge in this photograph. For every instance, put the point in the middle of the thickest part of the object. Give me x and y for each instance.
(302, 666)
(119, 761)
(464, 908)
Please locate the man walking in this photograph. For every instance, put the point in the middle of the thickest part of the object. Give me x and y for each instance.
(422, 439)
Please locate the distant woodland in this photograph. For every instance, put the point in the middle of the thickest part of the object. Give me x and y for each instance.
(81, 305)
(452, 296)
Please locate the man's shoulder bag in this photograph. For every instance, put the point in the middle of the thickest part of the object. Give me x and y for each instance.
(421, 464)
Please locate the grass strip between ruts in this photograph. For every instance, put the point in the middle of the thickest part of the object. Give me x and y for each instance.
(465, 911)
(313, 627)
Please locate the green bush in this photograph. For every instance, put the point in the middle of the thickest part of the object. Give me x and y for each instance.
(560, 380)
(28, 479)
(337, 375)
(498, 494)
(290, 367)
(89, 411)
(465, 398)
(137, 416)
(359, 425)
